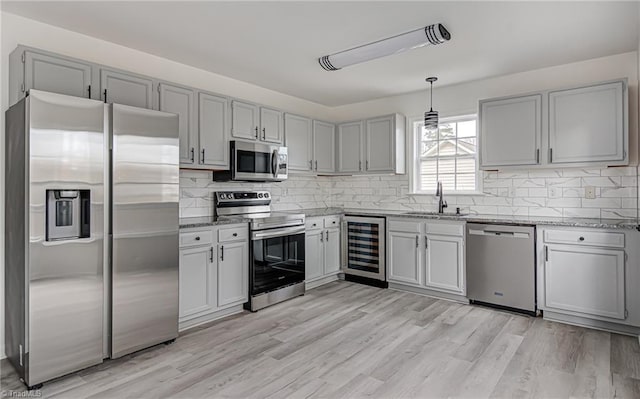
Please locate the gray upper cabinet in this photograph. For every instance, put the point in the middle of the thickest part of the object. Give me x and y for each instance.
(244, 120)
(379, 144)
(298, 136)
(213, 130)
(510, 131)
(350, 136)
(55, 74)
(271, 126)
(181, 101)
(588, 124)
(324, 147)
(120, 88)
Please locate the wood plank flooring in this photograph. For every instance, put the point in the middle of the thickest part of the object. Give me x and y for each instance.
(349, 340)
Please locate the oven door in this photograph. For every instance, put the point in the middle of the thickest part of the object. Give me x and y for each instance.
(277, 258)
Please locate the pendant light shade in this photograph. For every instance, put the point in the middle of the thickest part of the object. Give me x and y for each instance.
(431, 117)
(432, 34)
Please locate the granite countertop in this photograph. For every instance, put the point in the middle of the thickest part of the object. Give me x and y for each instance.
(502, 219)
(205, 221)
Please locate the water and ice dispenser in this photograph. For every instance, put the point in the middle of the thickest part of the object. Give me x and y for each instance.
(68, 214)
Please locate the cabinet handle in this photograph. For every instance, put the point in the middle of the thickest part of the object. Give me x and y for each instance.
(321, 237)
(327, 232)
(198, 238)
(235, 234)
(89, 91)
(546, 253)
(359, 165)
(550, 155)
(256, 132)
(538, 155)
(105, 95)
(417, 241)
(367, 165)
(426, 242)
(264, 133)
(211, 254)
(203, 155)
(316, 165)
(192, 155)
(581, 238)
(310, 165)
(221, 253)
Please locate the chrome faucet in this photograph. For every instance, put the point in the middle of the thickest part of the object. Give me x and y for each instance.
(441, 203)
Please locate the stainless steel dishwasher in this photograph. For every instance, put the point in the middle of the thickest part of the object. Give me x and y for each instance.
(501, 266)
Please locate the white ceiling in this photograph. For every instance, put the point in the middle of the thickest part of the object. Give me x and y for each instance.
(276, 44)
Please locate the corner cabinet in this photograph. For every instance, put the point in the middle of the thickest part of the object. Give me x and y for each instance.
(322, 250)
(427, 257)
(56, 74)
(372, 146)
(575, 127)
(214, 273)
(589, 277)
(324, 147)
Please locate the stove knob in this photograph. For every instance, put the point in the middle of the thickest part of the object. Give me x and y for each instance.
(266, 195)
(260, 195)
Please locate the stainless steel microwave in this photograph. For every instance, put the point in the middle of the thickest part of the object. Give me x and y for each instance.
(255, 162)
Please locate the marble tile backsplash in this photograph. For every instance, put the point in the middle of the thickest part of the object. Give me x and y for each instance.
(557, 193)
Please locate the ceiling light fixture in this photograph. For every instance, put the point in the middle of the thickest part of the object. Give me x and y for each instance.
(431, 116)
(432, 34)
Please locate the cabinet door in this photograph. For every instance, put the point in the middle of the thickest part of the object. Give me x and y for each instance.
(298, 136)
(331, 251)
(405, 258)
(233, 273)
(379, 144)
(180, 101)
(324, 147)
(120, 88)
(212, 132)
(445, 263)
(510, 131)
(584, 280)
(57, 75)
(587, 124)
(350, 147)
(271, 126)
(244, 120)
(197, 281)
(314, 254)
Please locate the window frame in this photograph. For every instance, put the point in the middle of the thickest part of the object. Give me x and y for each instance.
(414, 160)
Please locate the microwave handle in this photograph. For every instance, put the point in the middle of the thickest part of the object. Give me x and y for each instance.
(275, 162)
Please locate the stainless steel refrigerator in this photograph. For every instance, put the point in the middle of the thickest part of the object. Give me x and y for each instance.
(91, 232)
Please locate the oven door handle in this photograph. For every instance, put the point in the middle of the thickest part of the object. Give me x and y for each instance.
(281, 232)
(275, 163)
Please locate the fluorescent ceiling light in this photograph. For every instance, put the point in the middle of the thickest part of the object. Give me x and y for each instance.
(432, 34)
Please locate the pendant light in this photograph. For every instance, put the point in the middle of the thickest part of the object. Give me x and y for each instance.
(431, 116)
(433, 34)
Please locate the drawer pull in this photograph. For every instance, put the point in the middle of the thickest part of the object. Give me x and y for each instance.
(235, 234)
(198, 238)
(314, 225)
(581, 238)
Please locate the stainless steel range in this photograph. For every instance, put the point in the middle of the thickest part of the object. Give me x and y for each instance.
(276, 269)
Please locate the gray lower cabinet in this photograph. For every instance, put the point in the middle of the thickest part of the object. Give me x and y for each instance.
(322, 250)
(127, 89)
(214, 273)
(299, 141)
(324, 147)
(510, 131)
(181, 101)
(427, 256)
(588, 124)
(55, 74)
(244, 120)
(213, 130)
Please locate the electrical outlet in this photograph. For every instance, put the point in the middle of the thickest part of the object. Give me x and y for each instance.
(590, 192)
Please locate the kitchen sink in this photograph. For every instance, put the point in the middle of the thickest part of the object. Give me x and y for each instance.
(444, 214)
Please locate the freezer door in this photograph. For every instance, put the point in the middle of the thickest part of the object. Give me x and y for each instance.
(66, 144)
(145, 167)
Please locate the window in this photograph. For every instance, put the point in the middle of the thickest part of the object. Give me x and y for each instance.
(447, 155)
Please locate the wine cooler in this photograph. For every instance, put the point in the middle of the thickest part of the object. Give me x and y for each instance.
(364, 249)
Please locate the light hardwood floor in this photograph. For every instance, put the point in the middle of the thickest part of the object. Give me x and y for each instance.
(350, 340)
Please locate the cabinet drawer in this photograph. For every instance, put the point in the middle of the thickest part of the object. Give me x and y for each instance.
(592, 238)
(235, 233)
(331, 221)
(445, 229)
(195, 238)
(404, 226)
(313, 223)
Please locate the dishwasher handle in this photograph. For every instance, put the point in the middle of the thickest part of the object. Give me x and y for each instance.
(495, 233)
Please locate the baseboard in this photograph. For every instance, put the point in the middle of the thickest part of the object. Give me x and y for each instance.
(320, 281)
(209, 317)
(429, 293)
(366, 281)
(590, 323)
